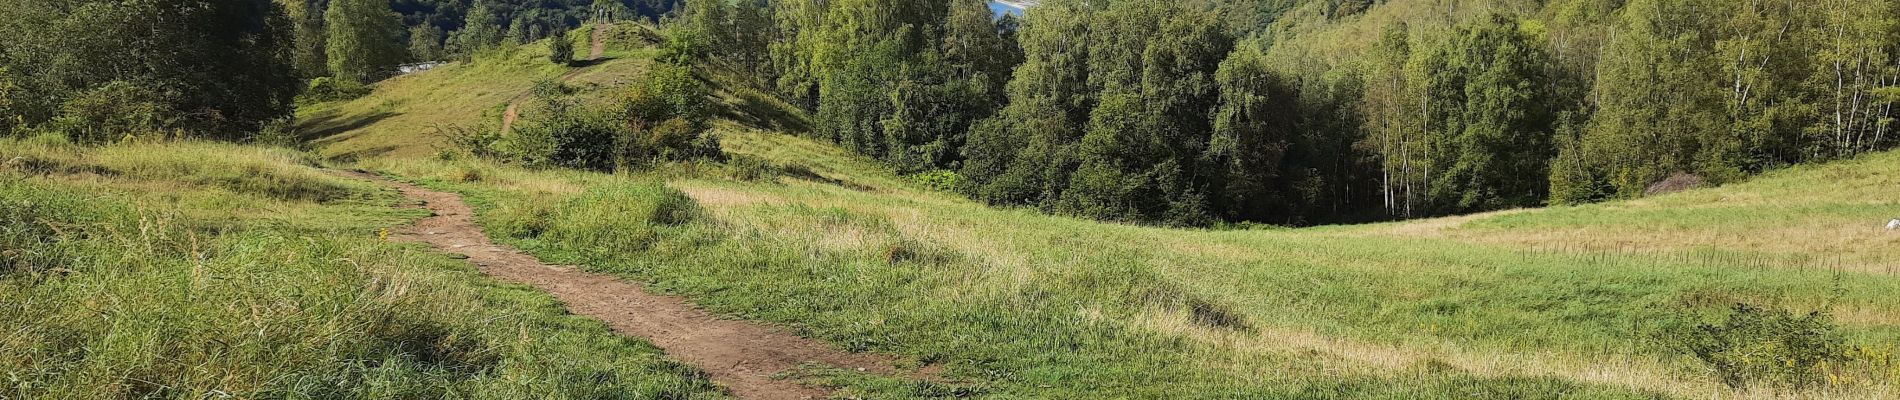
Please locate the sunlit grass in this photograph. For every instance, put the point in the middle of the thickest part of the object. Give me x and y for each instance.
(1578, 302)
(200, 270)
(1015, 302)
(400, 118)
(1824, 217)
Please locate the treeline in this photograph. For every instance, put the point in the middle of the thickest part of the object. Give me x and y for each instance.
(434, 30)
(1194, 112)
(1627, 93)
(98, 70)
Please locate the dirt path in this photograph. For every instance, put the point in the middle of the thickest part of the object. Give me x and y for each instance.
(741, 355)
(509, 115)
(599, 38)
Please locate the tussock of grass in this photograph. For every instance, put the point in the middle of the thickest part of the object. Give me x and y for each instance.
(116, 287)
(618, 218)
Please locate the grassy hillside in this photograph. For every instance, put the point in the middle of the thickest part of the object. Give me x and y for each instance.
(200, 270)
(402, 117)
(1579, 302)
(1827, 217)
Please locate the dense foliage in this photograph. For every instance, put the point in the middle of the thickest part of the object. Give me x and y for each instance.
(362, 44)
(1191, 112)
(433, 30)
(102, 70)
(661, 119)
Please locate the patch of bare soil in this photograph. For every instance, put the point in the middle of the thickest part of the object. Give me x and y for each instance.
(599, 41)
(741, 355)
(508, 116)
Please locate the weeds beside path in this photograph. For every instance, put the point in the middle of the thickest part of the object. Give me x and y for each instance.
(743, 356)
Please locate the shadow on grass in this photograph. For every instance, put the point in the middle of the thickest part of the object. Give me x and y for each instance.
(578, 64)
(324, 128)
(750, 109)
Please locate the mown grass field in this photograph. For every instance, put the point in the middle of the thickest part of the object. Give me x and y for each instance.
(1577, 302)
(200, 270)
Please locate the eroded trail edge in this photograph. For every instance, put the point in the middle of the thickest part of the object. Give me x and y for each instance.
(741, 355)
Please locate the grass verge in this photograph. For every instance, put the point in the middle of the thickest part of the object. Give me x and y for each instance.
(200, 270)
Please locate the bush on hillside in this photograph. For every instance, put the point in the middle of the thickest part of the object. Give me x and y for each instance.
(1757, 346)
(617, 218)
(112, 112)
(939, 180)
(566, 134)
(560, 50)
(331, 89)
(660, 120)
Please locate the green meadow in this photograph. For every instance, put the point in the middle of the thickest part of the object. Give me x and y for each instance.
(205, 270)
(196, 270)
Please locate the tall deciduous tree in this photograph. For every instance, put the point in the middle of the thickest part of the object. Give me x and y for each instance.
(365, 39)
(1494, 118)
(425, 43)
(308, 38)
(481, 30)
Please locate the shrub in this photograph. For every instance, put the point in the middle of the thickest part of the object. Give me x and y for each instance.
(660, 120)
(560, 50)
(751, 169)
(480, 141)
(675, 139)
(939, 180)
(331, 89)
(569, 134)
(681, 93)
(281, 132)
(682, 46)
(111, 112)
(1755, 345)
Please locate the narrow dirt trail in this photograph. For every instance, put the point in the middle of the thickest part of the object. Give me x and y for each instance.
(509, 115)
(599, 39)
(743, 356)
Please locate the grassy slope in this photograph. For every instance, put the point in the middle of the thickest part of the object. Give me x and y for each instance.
(1827, 216)
(400, 118)
(1020, 304)
(198, 270)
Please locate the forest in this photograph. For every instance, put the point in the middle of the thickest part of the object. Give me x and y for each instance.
(1301, 112)
(1187, 113)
